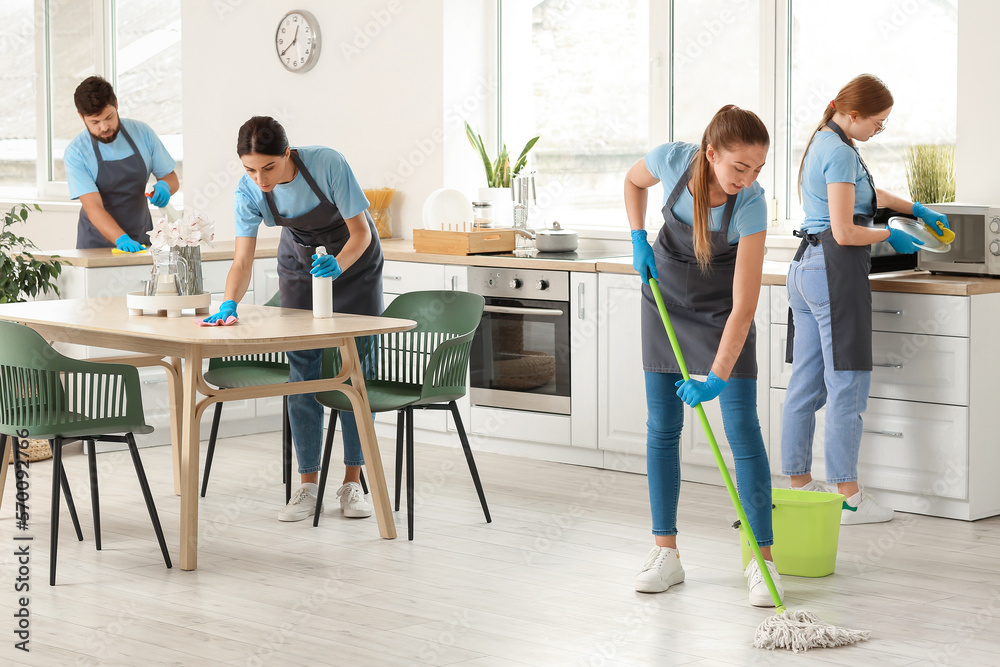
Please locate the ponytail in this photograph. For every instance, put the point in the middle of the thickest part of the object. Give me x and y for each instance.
(730, 128)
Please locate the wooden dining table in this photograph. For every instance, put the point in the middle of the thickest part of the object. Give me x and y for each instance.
(106, 322)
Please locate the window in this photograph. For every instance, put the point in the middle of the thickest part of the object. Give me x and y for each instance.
(143, 66)
(604, 81)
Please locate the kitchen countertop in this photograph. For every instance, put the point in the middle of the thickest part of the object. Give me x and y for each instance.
(401, 250)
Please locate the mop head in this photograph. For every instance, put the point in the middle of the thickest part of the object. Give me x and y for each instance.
(803, 630)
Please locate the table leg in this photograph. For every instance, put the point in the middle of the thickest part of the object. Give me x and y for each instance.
(174, 387)
(358, 395)
(190, 439)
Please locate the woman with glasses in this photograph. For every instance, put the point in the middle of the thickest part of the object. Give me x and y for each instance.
(829, 294)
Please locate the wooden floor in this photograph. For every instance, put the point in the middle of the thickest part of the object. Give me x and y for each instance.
(549, 582)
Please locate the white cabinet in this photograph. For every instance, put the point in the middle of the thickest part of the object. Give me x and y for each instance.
(929, 444)
(584, 377)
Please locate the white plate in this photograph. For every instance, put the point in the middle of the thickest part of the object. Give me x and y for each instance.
(918, 229)
(446, 207)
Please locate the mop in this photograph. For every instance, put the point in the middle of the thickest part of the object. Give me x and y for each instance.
(794, 630)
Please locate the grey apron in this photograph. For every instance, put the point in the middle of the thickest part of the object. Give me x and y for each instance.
(122, 186)
(699, 303)
(850, 288)
(358, 290)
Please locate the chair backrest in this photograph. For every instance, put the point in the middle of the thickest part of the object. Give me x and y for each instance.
(263, 360)
(47, 394)
(434, 354)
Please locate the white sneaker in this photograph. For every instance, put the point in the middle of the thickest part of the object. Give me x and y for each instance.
(353, 502)
(661, 570)
(862, 508)
(301, 505)
(760, 596)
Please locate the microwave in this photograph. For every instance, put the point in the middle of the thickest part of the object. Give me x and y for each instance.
(976, 248)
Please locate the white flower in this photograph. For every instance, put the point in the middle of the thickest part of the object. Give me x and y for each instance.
(190, 229)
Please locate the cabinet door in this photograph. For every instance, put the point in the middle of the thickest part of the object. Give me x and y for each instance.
(917, 448)
(265, 280)
(584, 375)
(621, 396)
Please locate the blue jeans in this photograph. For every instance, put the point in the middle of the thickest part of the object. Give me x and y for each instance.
(814, 381)
(663, 462)
(305, 417)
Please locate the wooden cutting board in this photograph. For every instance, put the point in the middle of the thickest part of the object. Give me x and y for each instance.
(463, 243)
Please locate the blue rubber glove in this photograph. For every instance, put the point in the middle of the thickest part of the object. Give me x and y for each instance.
(126, 244)
(903, 243)
(226, 315)
(931, 218)
(642, 255)
(325, 266)
(694, 391)
(161, 194)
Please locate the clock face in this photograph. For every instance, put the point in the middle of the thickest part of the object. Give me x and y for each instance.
(297, 41)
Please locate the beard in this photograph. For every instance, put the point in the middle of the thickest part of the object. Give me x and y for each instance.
(108, 140)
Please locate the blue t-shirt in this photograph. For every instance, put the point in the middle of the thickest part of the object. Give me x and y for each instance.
(830, 160)
(668, 162)
(333, 176)
(81, 163)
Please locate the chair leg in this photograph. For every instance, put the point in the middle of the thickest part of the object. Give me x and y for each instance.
(70, 505)
(400, 425)
(468, 457)
(94, 502)
(54, 529)
(210, 454)
(148, 497)
(286, 450)
(364, 486)
(409, 473)
(324, 471)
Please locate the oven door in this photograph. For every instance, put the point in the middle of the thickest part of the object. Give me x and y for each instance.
(520, 356)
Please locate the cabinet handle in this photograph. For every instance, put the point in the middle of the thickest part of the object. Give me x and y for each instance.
(891, 434)
(888, 312)
(454, 283)
(888, 365)
(385, 277)
(580, 310)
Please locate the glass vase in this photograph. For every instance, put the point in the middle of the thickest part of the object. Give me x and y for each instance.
(190, 273)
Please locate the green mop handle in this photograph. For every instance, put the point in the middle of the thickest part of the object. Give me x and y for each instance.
(733, 495)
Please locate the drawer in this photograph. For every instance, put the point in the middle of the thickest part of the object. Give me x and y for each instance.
(916, 448)
(402, 277)
(913, 367)
(932, 314)
(115, 281)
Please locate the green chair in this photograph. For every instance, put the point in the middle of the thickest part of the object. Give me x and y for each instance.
(46, 395)
(423, 368)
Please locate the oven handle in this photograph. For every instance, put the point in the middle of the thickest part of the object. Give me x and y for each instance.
(511, 310)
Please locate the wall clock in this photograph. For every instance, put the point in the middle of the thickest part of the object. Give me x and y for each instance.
(297, 41)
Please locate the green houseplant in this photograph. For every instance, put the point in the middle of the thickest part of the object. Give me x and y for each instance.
(21, 275)
(499, 172)
(930, 173)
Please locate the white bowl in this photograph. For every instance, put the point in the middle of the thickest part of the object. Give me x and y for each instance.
(446, 207)
(918, 229)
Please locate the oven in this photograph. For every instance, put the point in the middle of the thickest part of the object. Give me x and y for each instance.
(520, 357)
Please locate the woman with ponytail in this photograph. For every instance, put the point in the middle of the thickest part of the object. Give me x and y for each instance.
(707, 258)
(829, 295)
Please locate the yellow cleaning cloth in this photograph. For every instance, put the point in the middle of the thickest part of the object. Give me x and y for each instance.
(947, 235)
(116, 251)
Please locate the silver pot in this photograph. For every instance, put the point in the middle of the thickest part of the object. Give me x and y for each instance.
(556, 239)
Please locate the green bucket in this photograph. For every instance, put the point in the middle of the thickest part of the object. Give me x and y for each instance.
(806, 529)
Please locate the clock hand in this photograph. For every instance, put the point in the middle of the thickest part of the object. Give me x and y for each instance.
(295, 38)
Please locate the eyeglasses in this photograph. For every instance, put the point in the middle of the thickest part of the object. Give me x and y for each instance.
(880, 125)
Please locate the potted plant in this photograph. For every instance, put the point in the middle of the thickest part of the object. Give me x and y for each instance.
(499, 173)
(930, 173)
(23, 277)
